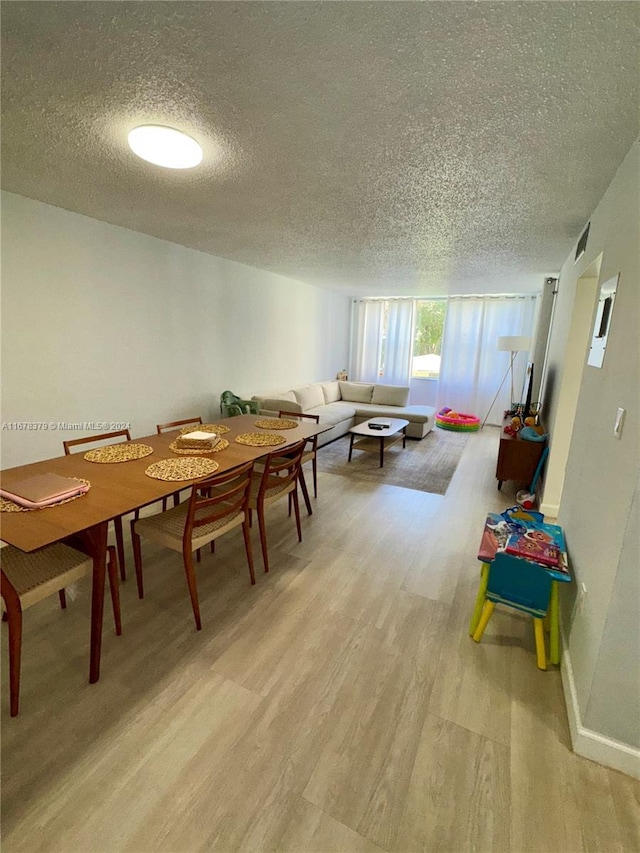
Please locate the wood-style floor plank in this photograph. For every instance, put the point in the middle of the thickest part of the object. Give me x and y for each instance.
(337, 705)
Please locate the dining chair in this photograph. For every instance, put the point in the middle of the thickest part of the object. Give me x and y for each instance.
(279, 478)
(117, 521)
(309, 455)
(218, 504)
(28, 577)
(168, 428)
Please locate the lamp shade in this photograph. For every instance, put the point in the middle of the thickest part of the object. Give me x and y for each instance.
(514, 343)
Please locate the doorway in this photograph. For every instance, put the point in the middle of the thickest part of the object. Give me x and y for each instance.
(575, 360)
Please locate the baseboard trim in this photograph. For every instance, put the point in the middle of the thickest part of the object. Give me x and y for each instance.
(593, 745)
(550, 509)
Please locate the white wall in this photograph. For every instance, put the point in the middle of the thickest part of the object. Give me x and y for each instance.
(601, 480)
(104, 324)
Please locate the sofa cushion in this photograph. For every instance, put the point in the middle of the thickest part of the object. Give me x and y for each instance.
(309, 396)
(334, 413)
(390, 395)
(331, 391)
(285, 401)
(275, 395)
(413, 414)
(356, 392)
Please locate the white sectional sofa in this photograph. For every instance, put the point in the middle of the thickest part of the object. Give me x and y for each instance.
(344, 404)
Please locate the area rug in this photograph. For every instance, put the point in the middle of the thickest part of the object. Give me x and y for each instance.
(426, 465)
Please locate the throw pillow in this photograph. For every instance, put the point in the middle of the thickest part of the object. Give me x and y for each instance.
(331, 391)
(309, 396)
(356, 392)
(390, 395)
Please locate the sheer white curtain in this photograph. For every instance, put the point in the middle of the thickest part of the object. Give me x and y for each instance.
(399, 342)
(472, 367)
(366, 340)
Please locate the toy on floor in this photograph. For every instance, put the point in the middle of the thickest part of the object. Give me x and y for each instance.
(456, 421)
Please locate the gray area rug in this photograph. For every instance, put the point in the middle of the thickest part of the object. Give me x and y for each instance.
(426, 465)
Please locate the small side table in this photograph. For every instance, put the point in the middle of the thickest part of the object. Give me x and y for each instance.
(494, 537)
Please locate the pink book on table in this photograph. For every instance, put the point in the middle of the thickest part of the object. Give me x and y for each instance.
(43, 490)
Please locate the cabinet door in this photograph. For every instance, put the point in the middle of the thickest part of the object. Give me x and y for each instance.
(518, 459)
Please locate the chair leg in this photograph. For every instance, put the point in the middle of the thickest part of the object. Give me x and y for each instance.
(247, 548)
(487, 610)
(14, 618)
(305, 492)
(114, 586)
(263, 538)
(117, 523)
(63, 599)
(314, 467)
(198, 555)
(212, 546)
(482, 591)
(137, 558)
(541, 654)
(176, 498)
(193, 587)
(296, 506)
(554, 624)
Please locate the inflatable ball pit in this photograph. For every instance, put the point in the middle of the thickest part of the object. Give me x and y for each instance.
(457, 421)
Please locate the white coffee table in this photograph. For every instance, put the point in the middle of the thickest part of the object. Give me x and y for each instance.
(374, 440)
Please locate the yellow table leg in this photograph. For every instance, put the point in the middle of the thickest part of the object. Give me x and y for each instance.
(541, 655)
(554, 624)
(482, 591)
(487, 610)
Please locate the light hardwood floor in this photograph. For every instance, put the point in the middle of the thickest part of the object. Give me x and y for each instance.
(338, 705)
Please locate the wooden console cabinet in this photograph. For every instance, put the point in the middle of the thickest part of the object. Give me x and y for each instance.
(517, 459)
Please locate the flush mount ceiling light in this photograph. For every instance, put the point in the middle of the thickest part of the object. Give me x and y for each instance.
(165, 146)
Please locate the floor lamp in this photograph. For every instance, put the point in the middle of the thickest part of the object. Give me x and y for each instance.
(513, 344)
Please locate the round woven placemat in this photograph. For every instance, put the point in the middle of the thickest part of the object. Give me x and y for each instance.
(219, 428)
(118, 453)
(260, 439)
(181, 469)
(221, 445)
(276, 423)
(9, 506)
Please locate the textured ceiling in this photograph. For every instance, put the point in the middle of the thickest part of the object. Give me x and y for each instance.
(387, 147)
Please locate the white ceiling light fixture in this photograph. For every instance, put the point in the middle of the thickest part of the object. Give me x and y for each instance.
(165, 146)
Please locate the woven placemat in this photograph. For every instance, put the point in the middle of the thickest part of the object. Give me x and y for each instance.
(221, 445)
(276, 423)
(9, 506)
(219, 428)
(118, 453)
(260, 439)
(181, 469)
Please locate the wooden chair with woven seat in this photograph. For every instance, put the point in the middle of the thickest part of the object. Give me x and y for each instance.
(218, 504)
(169, 428)
(278, 479)
(309, 455)
(27, 578)
(117, 521)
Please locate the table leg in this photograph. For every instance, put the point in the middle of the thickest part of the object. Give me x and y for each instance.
(351, 446)
(404, 438)
(482, 591)
(554, 624)
(95, 539)
(381, 450)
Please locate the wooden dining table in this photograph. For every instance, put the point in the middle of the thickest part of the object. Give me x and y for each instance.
(118, 489)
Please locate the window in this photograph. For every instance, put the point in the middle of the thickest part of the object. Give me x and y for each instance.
(427, 338)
